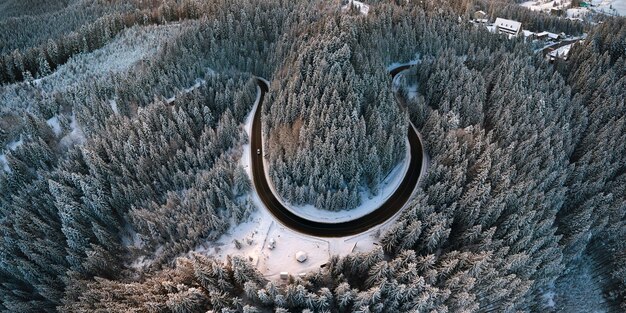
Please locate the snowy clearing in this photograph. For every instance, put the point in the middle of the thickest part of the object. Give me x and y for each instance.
(362, 7)
(546, 6)
(577, 12)
(611, 7)
(54, 125)
(5, 164)
(251, 240)
(15, 144)
(3, 158)
(75, 136)
(130, 48)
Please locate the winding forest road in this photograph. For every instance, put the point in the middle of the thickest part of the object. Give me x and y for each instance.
(388, 209)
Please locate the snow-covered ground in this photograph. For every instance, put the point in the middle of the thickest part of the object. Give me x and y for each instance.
(5, 164)
(129, 48)
(613, 7)
(113, 104)
(252, 238)
(368, 203)
(548, 297)
(3, 158)
(363, 8)
(561, 51)
(579, 289)
(125, 51)
(55, 125)
(199, 82)
(577, 12)
(546, 6)
(13, 145)
(75, 136)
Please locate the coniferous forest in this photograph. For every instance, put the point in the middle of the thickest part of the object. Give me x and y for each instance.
(122, 127)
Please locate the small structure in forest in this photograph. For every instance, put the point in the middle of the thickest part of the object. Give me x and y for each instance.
(479, 15)
(508, 27)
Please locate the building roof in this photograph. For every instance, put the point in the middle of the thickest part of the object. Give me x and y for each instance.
(514, 26)
(301, 256)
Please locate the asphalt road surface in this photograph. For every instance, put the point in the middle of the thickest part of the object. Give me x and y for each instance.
(321, 229)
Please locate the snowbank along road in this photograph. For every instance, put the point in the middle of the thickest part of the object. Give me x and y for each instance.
(388, 209)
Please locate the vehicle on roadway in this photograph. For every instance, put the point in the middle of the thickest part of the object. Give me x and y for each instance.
(258, 151)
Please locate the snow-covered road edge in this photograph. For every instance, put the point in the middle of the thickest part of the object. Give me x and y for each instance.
(388, 186)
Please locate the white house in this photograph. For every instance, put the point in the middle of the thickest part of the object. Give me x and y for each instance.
(509, 27)
(549, 35)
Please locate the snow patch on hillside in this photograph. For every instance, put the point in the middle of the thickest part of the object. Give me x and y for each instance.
(362, 7)
(5, 164)
(76, 135)
(15, 144)
(548, 298)
(611, 7)
(577, 12)
(3, 158)
(411, 91)
(113, 105)
(55, 125)
(131, 48)
(546, 6)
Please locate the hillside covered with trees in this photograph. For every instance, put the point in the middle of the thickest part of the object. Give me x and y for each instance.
(332, 126)
(121, 132)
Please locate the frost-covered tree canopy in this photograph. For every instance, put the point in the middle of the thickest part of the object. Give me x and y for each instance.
(332, 127)
(121, 131)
